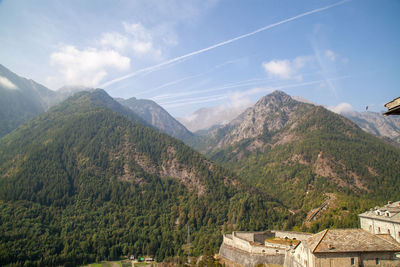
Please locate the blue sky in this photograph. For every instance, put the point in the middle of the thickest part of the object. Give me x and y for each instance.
(201, 53)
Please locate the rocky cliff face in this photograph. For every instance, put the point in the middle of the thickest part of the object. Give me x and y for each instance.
(377, 124)
(270, 120)
(158, 117)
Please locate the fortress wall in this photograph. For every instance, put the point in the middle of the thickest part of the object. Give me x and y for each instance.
(228, 240)
(249, 259)
(244, 235)
(264, 250)
(292, 235)
(241, 243)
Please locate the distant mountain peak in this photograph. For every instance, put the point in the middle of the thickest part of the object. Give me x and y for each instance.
(157, 116)
(278, 97)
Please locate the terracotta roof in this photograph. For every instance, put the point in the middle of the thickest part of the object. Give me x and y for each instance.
(350, 240)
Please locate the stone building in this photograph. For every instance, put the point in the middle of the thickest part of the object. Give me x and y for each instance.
(345, 247)
(252, 248)
(377, 243)
(382, 220)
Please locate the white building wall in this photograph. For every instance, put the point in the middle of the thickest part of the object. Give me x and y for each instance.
(376, 226)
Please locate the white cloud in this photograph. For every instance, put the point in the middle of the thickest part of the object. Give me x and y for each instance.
(280, 68)
(114, 40)
(141, 40)
(342, 108)
(242, 98)
(86, 67)
(6, 83)
(137, 40)
(286, 69)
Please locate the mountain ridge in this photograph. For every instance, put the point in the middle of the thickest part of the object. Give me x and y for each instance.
(21, 99)
(90, 184)
(157, 116)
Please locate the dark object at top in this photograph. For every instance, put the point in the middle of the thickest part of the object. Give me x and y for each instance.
(393, 107)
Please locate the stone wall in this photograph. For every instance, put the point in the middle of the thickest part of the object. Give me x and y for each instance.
(292, 235)
(249, 259)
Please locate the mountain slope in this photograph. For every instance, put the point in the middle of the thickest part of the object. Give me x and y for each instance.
(377, 124)
(155, 115)
(21, 99)
(301, 153)
(81, 183)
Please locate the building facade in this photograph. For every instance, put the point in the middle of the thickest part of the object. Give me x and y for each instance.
(345, 247)
(382, 220)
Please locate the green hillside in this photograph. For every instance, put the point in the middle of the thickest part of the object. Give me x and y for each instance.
(312, 153)
(81, 183)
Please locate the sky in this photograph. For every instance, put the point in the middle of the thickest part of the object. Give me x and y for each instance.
(189, 54)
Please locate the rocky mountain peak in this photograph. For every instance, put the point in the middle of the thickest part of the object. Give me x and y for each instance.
(158, 117)
(276, 98)
(269, 115)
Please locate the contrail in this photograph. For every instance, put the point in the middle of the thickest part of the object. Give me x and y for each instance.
(189, 77)
(154, 67)
(213, 98)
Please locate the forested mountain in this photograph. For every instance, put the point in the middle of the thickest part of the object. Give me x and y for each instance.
(303, 154)
(21, 99)
(81, 183)
(155, 115)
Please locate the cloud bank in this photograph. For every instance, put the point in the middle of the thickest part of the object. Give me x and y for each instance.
(342, 108)
(286, 69)
(87, 67)
(6, 83)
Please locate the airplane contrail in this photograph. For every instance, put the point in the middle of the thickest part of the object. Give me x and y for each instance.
(154, 67)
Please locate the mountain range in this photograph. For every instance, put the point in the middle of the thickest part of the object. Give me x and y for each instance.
(89, 180)
(22, 99)
(84, 177)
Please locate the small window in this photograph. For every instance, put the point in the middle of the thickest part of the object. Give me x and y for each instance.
(389, 231)
(353, 261)
(379, 230)
(377, 260)
(399, 234)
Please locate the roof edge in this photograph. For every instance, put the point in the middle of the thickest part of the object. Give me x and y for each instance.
(319, 242)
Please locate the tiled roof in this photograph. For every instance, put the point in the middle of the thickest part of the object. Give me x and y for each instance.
(392, 208)
(350, 240)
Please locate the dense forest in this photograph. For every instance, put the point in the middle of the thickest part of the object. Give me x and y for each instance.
(81, 183)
